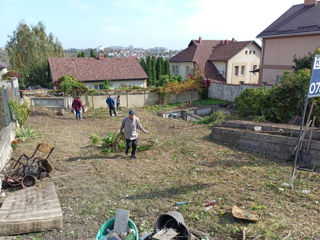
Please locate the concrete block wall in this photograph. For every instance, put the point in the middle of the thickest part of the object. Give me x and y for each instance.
(229, 91)
(127, 99)
(277, 146)
(7, 134)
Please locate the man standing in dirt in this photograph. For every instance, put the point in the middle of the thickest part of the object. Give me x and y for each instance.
(130, 124)
(110, 103)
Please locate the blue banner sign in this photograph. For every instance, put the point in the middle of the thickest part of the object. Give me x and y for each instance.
(314, 86)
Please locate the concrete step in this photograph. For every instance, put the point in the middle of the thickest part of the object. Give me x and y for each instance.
(291, 130)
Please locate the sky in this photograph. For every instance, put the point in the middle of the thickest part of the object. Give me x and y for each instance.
(142, 23)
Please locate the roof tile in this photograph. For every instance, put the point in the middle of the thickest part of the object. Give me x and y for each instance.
(93, 69)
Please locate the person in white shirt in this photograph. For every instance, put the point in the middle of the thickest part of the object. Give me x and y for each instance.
(130, 125)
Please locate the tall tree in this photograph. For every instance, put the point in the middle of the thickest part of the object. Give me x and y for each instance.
(29, 49)
(166, 67)
(153, 70)
(143, 64)
(159, 67)
(149, 70)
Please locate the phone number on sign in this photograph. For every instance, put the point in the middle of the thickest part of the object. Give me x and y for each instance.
(314, 88)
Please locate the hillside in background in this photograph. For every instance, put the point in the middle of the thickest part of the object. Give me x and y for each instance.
(110, 52)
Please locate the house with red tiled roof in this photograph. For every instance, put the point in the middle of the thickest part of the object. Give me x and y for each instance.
(295, 33)
(93, 71)
(225, 61)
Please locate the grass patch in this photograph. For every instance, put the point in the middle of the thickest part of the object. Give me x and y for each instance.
(156, 108)
(214, 118)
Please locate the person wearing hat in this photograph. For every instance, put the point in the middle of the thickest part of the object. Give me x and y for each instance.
(130, 125)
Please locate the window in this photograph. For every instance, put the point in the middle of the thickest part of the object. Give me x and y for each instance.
(177, 69)
(246, 52)
(187, 70)
(236, 70)
(173, 69)
(254, 52)
(250, 52)
(242, 70)
(96, 86)
(254, 68)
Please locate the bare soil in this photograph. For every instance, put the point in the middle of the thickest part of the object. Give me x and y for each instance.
(185, 165)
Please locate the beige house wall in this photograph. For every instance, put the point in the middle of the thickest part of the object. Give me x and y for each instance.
(247, 57)
(117, 83)
(182, 68)
(279, 52)
(221, 67)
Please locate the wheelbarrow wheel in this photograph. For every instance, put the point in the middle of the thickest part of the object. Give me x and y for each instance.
(28, 181)
(13, 182)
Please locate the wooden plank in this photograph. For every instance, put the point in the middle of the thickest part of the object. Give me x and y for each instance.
(165, 234)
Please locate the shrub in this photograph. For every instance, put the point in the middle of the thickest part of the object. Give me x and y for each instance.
(10, 74)
(70, 86)
(94, 138)
(278, 104)
(106, 84)
(24, 133)
(20, 111)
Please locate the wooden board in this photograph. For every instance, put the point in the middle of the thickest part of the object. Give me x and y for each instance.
(32, 209)
(165, 234)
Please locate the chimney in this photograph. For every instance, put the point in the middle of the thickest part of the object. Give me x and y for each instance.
(101, 56)
(200, 39)
(310, 3)
(233, 40)
(225, 41)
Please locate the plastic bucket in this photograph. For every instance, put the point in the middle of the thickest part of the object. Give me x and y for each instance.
(109, 225)
(175, 220)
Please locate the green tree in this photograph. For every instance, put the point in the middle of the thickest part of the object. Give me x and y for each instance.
(149, 70)
(143, 64)
(159, 68)
(70, 86)
(153, 70)
(92, 54)
(304, 62)
(81, 54)
(29, 49)
(166, 67)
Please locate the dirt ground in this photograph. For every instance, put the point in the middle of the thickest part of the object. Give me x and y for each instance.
(184, 165)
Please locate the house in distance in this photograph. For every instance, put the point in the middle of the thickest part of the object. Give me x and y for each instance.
(94, 71)
(227, 61)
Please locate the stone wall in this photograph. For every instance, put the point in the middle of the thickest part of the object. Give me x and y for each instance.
(229, 91)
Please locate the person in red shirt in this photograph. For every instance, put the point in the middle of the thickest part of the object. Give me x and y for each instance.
(77, 105)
